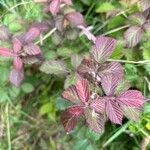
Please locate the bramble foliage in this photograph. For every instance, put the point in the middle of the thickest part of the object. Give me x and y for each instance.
(96, 87)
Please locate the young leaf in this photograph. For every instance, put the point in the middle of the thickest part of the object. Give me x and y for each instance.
(6, 52)
(75, 18)
(32, 49)
(85, 67)
(131, 98)
(17, 45)
(98, 104)
(94, 120)
(83, 90)
(68, 120)
(114, 68)
(114, 112)
(16, 76)
(54, 7)
(31, 34)
(53, 67)
(76, 110)
(103, 48)
(71, 94)
(133, 36)
(109, 84)
(17, 62)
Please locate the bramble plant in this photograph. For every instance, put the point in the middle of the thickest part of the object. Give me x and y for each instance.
(100, 91)
(96, 106)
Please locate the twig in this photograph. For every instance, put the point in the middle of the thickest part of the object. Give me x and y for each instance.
(122, 129)
(117, 29)
(8, 127)
(130, 62)
(46, 36)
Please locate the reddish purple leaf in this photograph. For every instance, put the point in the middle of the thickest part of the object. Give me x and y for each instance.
(42, 26)
(17, 62)
(137, 19)
(114, 112)
(83, 90)
(17, 45)
(103, 48)
(133, 36)
(31, 34)
(16, 76)
(109, 83)
(75, 18)
(59, 22)
(76, 110)
(32, 49)
(114, 68)
(131, 98)
(95, 120)
(6, 52)
(68, 2)
(98, 104)
(54, 7)
(145, 4)
(85, 67)
(71, 94)
(68, 120)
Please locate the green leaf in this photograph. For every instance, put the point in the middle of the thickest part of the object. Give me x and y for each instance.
(115, 22)
(104, 7)
(53, 67)
(62, 104)
(15, 26)
(147, 108)
(117, 53)
(50, 55)
(4, 95)
(27, 87)
(56, 38)
(46, 108)
(76, 60)
(70, 80)
(146, 50)
(14, 91)
(91, 147)
(64, 52)
(81, 145)
(9, 18)
(4, 72)
(92, 135)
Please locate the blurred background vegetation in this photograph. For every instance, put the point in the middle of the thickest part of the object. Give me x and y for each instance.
(30, 114)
